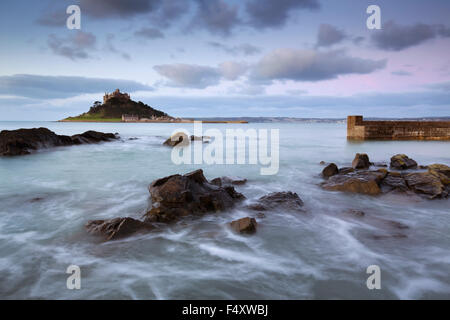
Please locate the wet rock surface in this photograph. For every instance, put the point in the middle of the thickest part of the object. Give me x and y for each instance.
(285, 201)
(25, 141)
(330, 170)
(402, 162)
(178, 196)
(361, 161)
(117, 228)
(244, 225)
(365, 182)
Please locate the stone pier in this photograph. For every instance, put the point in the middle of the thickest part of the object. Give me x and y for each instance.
(359, 129)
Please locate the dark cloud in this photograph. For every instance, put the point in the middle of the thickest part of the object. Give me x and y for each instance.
(149, 33)
(76, 46)
(244, 49)
(50, 87)
(216, 16)
(310, 65)
(118, 8)
(187, 75)
(269, 13)
(394, 37)
(329, 35)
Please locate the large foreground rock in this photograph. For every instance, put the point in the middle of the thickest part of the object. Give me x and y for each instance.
(441, 171)
(116, 228)
(365, 182)
(178, 196)
(402, 162)
(279, 201)
(26, 141)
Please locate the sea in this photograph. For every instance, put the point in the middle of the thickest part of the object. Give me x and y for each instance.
(47, 197)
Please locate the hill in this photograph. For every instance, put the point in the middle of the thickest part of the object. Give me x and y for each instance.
(114, 108)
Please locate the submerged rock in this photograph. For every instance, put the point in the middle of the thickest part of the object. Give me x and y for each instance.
(330, 170)
(116, 228)
(178, 196)
(26, 141)
(245, 225)
(287, 201)
(402, 162)
(361, 161)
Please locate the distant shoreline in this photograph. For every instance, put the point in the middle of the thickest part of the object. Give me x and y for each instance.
(157, 121)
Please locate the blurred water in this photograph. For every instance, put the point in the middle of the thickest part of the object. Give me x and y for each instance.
(46, 198)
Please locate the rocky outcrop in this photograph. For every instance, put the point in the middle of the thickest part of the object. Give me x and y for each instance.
(402, 162)
(177, 196)
(280, 201)
(26, 141)
(434, 183)
(330, 170)
(245, 225)
(361, 161)
(116, 228)
(228, 181)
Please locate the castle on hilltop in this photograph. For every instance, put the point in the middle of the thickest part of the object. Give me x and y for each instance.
(116, 94)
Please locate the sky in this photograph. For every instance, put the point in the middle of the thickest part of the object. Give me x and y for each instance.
(227, 58)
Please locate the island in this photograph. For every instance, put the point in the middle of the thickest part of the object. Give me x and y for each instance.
(119, 107)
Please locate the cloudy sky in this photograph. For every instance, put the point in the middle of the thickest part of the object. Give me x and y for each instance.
(299, 58)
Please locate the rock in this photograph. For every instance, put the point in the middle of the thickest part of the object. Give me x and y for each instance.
(322, 163)
(288, 201)
(179, 139)
(26, 141)
(394, 181)
(244, 225)
(345, 170)
(426, 183)
(402, 162)
(441, 171)
(92, 137)
(117, 228)
(365, 182)
(178, 196)
(330, 170)
(222, 181)
(361, 161)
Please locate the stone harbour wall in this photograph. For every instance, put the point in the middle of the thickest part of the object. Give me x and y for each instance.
(359, 129)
